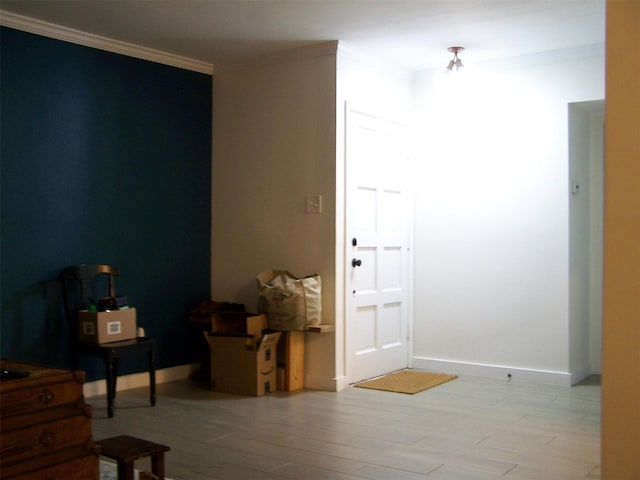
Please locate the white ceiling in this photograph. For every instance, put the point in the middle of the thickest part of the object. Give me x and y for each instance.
(411, 33)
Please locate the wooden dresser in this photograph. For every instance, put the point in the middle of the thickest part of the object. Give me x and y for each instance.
(45, 425)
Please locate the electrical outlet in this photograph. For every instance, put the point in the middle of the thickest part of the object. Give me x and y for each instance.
(575, 187)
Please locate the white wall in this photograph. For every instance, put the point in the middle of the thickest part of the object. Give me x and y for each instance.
(492, 216)
(273, 144)
(586, 162)
(596, 244)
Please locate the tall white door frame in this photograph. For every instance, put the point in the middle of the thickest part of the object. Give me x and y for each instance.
(377, 249)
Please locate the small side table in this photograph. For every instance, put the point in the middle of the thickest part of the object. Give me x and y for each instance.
(126, 450)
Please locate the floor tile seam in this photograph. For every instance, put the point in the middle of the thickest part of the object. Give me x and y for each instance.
(386, 467)
(462, 458)
(522, 455)
(309, 451)
(546, 473)
(364, 464)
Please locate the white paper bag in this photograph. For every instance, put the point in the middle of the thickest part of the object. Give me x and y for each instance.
(291, 303)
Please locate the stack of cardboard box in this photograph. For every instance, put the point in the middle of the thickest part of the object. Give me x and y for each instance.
(243, 355)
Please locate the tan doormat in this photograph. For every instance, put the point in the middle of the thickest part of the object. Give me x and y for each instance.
(407, 381)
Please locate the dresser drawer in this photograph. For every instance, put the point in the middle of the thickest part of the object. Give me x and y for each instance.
(41, 389)
(86, 467)
(45, 425)
(21, 468)
(17, 422)
(44, 438)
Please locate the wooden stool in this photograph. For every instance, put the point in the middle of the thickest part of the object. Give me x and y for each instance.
(126, 450)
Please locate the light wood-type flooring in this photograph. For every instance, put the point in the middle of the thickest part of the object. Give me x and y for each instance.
(468, 429)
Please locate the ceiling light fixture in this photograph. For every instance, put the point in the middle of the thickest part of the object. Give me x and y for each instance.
(455, 63)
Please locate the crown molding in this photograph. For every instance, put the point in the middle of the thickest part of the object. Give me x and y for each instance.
(46, 29)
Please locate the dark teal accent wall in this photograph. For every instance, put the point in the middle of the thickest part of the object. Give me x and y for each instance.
(104, 159)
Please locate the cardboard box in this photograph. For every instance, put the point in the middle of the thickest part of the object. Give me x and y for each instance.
(232, 322)
(219, 316)
(242, 364)
(106, 327)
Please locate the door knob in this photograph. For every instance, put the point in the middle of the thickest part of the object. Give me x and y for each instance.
(356, 262)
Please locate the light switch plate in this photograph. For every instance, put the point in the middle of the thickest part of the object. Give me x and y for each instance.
(313, 204)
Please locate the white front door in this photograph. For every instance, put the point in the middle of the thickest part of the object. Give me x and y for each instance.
(378, 222)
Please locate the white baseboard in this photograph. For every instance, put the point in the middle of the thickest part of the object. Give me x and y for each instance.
(341, 383)
(324, 383)
(495, 371)
(181, 372)
(136, 380)
(577, 377)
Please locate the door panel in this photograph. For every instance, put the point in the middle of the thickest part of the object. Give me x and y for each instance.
(378, 230)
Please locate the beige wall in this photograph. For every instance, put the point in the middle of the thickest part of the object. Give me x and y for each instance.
(621, 316)
(273, 144)
(278, 136)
